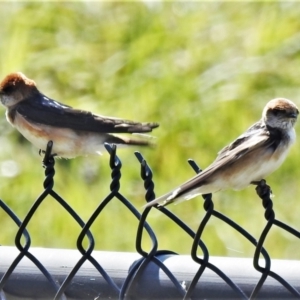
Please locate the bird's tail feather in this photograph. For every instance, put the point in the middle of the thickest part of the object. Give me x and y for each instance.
(123, 126)
(176, 196)
(146, 141)
(165, 199)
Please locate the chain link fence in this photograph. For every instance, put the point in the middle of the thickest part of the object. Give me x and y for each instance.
(31, 273)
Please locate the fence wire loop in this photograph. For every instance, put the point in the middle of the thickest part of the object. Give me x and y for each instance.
(264, 192)
(149, 258)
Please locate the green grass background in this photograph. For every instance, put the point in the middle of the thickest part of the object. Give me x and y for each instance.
(204, 71)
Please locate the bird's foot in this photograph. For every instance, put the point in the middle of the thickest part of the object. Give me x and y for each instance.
(262, 189)
(48, 155)
(43, 152)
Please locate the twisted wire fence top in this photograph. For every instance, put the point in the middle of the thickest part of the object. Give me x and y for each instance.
(60, 289)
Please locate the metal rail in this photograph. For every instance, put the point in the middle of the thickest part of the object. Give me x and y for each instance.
(28, 282)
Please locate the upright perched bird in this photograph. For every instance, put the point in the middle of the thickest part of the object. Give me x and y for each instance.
(249, 159)
(73, 132)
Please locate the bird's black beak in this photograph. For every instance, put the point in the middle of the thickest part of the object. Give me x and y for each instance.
(293, 115)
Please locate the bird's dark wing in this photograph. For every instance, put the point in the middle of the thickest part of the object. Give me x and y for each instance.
(42, 110)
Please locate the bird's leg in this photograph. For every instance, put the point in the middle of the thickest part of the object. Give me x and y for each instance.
(262, 189)
(47, 153)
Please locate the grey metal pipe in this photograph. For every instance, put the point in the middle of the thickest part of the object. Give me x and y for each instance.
(27, 282)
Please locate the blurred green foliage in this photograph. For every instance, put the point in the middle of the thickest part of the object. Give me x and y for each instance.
(204, 71)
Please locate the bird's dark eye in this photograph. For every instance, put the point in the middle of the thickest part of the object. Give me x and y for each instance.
(8, 89)
(276, 112)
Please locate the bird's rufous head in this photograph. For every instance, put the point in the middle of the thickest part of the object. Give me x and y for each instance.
(16, 87)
